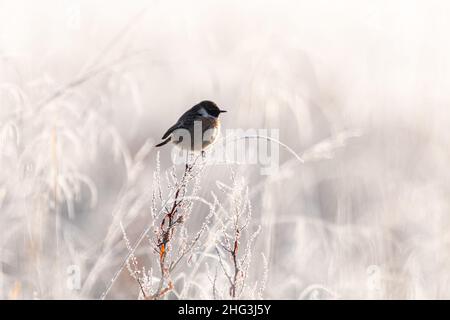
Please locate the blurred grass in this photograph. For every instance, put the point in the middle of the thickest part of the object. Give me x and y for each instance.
(314, 70)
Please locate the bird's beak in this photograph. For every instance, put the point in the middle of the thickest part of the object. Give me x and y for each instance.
(222, 111)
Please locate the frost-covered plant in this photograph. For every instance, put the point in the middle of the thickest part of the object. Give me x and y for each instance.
(228, 223)
(169, 238)
(234, 242)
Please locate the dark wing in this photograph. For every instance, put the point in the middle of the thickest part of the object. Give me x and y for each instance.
(170, 130)
(192, 111)
(186, 120)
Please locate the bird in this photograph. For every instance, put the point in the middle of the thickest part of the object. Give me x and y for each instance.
(185, 133)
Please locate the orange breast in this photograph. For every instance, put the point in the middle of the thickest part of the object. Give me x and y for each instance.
(210, 129)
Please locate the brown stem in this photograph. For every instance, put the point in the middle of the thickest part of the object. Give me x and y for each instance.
(236, 267)
(166, 234)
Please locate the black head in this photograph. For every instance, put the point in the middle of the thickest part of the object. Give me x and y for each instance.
(211, 108)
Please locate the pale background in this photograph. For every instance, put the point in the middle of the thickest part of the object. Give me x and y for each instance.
(368, 219)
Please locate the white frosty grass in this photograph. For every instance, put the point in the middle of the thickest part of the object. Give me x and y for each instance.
(358, 207)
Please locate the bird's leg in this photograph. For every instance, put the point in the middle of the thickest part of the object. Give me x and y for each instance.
(188, 160)
(203, 154)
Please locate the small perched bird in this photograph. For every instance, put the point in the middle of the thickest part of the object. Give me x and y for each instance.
(184, 133)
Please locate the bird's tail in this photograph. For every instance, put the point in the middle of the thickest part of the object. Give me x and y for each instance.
(163, 143)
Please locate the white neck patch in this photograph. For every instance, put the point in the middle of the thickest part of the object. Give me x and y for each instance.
(204, 113)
